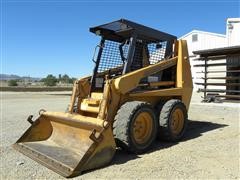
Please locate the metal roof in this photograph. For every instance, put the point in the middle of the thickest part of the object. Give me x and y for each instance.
(219, 51)
(121, 29)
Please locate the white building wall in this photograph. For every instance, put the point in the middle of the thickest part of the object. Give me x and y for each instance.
(205, 40)
(233, 31)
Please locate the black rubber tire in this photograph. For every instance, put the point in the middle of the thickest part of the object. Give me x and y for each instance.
(158, 109)
(165, 132)
(123, 126)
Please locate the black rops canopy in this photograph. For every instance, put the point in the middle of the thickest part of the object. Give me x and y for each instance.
(123, 29)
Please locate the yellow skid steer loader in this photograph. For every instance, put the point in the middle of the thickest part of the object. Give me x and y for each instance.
(140, 89)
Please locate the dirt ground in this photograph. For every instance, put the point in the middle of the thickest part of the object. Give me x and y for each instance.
(209, 150)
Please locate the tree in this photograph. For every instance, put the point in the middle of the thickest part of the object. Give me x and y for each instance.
(59, 77)
(12, 82)
(65, 79)
(50, 80)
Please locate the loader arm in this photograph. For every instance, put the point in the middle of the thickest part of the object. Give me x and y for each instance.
(80, 90)
(183, 84)
(131, 80)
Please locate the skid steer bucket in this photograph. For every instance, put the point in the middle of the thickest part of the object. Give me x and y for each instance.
(68, 143)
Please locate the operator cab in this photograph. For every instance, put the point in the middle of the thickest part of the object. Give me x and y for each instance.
(126, 46)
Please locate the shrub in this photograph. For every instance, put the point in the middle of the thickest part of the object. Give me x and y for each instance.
(12, 83)
(50, 80)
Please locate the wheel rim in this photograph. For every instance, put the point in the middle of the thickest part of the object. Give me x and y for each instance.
(177, 121)
(142, 127)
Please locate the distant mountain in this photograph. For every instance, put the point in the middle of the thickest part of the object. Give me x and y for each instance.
(13, 76)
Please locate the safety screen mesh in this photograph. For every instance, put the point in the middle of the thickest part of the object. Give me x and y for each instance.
(156, 51)
(111, 57)
(137, 62)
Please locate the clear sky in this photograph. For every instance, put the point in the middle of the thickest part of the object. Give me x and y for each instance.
(52, 36)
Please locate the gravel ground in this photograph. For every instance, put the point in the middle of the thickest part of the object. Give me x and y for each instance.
(209, 150)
